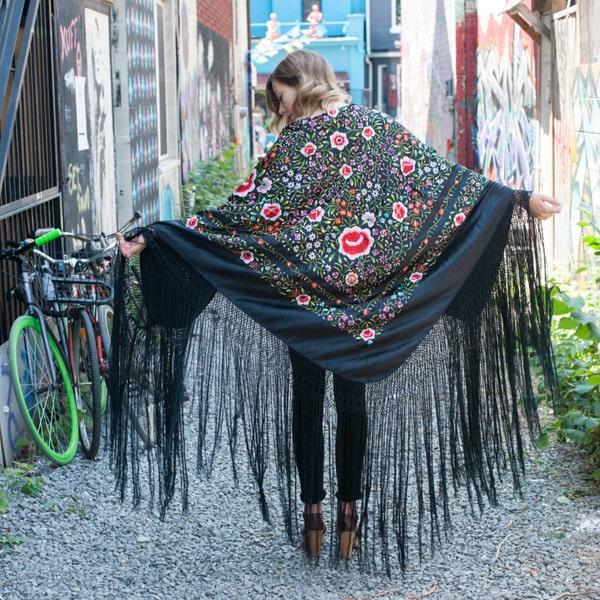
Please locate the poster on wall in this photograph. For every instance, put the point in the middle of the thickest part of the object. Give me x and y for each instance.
(99, 97)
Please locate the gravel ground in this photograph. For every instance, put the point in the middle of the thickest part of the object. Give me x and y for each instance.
(80, 541)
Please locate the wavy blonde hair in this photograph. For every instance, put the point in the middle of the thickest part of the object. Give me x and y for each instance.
(313, 77)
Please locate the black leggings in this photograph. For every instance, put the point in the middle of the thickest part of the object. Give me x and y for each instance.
(307, 431)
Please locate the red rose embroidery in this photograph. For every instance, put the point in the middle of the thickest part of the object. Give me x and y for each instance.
(399, 212)
(271, 212)
(316, 214)
(367, 334)
(459, 219)
(309, 149)
(247, 256)
(339, 140)
(245, 188)
(333, 112)
(368, 132)
(407, 165)
(346, 171)
(192, 222)
(416, 276)
(303, 299)
(355, 242)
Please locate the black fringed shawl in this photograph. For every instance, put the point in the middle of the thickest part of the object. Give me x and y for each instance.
(365, 251)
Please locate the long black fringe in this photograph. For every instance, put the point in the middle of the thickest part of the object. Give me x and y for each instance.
(455, 418)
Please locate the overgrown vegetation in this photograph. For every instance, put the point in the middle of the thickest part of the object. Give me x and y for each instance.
(211, 182)
(576, 338)
(18, 479)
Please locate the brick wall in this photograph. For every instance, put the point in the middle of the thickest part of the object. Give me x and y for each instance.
(217, 15)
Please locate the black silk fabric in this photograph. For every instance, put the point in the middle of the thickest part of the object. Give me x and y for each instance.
(428, 288)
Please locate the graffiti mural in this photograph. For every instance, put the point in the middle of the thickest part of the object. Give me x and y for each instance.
(143, 115)
(567, 233)
(585, 154)
(99, 95)
(74, 138)
(214, 98)
(188, 86)
(506, 94)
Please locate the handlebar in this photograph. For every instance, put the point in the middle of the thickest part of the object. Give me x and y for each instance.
(39, 240)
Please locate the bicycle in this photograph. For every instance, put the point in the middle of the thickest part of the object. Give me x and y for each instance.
(81, 293)
(40, 377)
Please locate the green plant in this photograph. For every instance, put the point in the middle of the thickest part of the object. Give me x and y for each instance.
(9, 540)
(211, 182)
(576, 340)
(21, 477)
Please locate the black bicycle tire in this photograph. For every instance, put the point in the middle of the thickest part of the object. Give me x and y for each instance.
(86, 381)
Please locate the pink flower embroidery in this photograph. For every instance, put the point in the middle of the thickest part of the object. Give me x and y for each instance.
(271, 212)
(355, 242)
(303, 299)
(339, 140)
(351, 279)
(346, 171)
(416, 276)
(192, 222)
(399, 212)
(247, 256)
(407, 165)
(459, 219)
(266, 186)
(309, 149)
(369, 219)
(368, 132)
(245, 188)
(367, 334)
(316, 214)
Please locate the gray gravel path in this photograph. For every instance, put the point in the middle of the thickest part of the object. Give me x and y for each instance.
(81, 542)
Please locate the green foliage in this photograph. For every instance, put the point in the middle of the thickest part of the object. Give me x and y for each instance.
(576, 340)
(211, 182)
(21, 477)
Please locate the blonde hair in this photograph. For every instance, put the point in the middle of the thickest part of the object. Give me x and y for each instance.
(314, 79)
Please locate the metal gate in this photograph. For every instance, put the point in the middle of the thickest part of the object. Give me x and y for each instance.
(29, 161)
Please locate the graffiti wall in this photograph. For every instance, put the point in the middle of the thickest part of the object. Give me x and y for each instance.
(85, 109)
(143, 115)
(506, 99)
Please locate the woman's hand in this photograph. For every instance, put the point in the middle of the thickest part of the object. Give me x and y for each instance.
(543, 207)
(132, 247)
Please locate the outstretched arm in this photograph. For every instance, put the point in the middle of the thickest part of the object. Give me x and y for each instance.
(542, 206)
(131, 247)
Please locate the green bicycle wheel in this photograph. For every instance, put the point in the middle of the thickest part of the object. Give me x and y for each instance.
(47, 402)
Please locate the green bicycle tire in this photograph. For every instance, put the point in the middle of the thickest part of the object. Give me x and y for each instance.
(87, 383)
(48, 408)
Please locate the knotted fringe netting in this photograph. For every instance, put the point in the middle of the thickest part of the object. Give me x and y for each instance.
(454, 418)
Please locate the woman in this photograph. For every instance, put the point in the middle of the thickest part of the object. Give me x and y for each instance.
(354, 243)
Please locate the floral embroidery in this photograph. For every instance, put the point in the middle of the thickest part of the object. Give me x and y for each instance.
(341, 230)
(303, 299)
(355, 242)
(339, 140)
(271, 212)
(247, 256)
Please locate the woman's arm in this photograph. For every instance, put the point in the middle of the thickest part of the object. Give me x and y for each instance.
(131, 247)
(542, 206)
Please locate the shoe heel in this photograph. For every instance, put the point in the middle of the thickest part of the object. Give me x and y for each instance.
(347, 544)
(315, 541)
